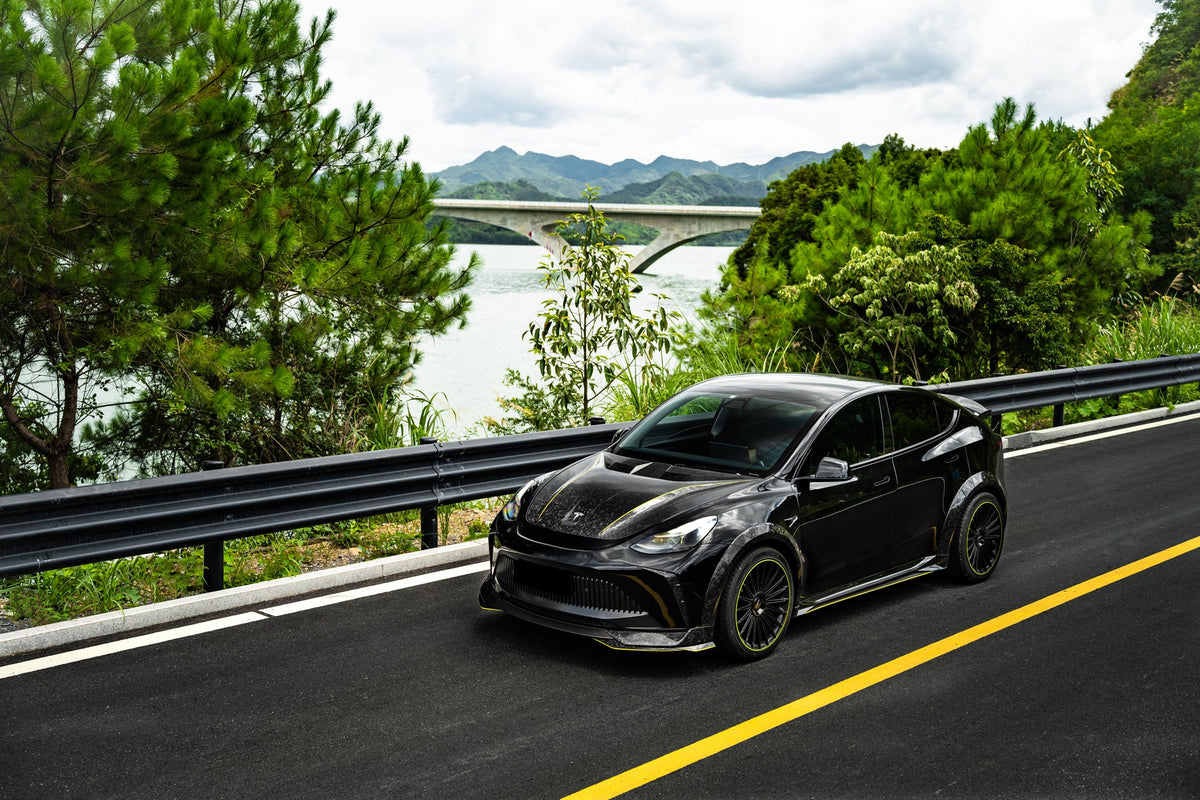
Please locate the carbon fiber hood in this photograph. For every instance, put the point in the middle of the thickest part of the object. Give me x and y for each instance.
(610, 498)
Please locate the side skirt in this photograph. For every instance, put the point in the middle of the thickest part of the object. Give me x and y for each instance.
(923, 567)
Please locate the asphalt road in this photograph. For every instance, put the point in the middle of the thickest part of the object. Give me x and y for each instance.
(417, 693)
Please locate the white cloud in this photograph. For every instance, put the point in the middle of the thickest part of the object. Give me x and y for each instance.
(717, 80)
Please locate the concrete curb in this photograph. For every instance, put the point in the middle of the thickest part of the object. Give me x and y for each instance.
(73, 631)
(1021, 441)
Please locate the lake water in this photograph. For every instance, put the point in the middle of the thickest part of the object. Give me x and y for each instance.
(468, 365)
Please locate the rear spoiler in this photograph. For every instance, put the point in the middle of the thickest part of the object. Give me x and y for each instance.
(969, 404)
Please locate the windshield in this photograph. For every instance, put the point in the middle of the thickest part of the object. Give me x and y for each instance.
(729, 431)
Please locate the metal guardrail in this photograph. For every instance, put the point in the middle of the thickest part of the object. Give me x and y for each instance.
(1007, 393)
(67, 527)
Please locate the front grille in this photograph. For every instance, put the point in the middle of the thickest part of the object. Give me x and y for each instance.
(536, 533)
(530, 580)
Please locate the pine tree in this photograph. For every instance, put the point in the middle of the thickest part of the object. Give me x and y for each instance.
(1047, 262)
(177, 213)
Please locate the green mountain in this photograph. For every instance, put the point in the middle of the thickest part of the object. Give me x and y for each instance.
(567, 176)
(520, 189)
(676, 189)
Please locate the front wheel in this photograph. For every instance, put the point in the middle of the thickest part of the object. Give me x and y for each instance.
(978, 539)
(755, 605)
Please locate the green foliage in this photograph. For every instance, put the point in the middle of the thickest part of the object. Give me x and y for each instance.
(749, 306)
(534, 408)
(61, 594)
(1153, 131)
(709, 352)
(587, 335)
(791, 208)
(383, 426)
(1024, 207)
(1165, 327)
(1015, 186)
(644, 386)
(1102, 175)
(179, 214)
(810, 224)
(897, 299)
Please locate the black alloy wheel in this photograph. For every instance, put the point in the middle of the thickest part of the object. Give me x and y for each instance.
(979, 539)
(756, 605)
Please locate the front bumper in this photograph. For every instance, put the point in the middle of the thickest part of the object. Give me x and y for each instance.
(622, 609)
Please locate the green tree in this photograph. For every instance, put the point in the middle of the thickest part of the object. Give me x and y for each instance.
(811, 223)
(1028, 206)
(1042, 247)
(747, 301)
(178, 214)
(898, 300)
(1153, 132)
(792, 206)
(587, 336)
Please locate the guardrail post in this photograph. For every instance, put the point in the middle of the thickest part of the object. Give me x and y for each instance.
(214, 552)
(998, 419)
(1116, 399)
(429, 523)
(1060, 410)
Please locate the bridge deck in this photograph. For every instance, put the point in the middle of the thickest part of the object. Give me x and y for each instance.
(609, 209)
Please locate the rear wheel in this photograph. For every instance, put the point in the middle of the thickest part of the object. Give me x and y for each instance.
(755, 605)
(978, 540)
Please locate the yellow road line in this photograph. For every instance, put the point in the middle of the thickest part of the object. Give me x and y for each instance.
(718, 742)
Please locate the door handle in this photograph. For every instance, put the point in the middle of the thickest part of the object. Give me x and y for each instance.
(883, 481)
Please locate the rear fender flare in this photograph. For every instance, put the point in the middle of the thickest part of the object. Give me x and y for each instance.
(980, 481)
(762, 534)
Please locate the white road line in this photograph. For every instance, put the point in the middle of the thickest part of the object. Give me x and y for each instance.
(380, 588)
(1040, 448)
(82, 654)
(132, 643)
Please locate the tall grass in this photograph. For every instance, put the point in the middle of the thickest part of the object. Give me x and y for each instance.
(1166, 327)
(383, 425)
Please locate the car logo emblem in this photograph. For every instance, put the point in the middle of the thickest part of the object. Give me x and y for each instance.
(574, 516)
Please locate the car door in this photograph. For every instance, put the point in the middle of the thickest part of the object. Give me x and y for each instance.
(846, 527)
(924, 481)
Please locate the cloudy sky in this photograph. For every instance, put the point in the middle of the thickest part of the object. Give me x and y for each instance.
(715, 79)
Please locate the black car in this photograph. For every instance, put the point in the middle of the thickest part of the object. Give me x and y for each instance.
(746, 500)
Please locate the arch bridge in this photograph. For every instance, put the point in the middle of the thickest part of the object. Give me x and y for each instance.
(676, 225)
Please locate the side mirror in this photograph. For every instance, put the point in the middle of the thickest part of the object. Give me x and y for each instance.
(832, 469)
(619, 435)
(829, 470)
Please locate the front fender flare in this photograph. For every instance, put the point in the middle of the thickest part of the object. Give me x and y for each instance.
(764, 533)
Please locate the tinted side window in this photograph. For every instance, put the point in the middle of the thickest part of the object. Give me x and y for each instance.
(915, 418)
(854, 435)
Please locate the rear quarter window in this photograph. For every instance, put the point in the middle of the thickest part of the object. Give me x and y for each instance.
(916, 417)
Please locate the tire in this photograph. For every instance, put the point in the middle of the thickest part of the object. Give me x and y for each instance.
(756, 605)
(978, 539)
